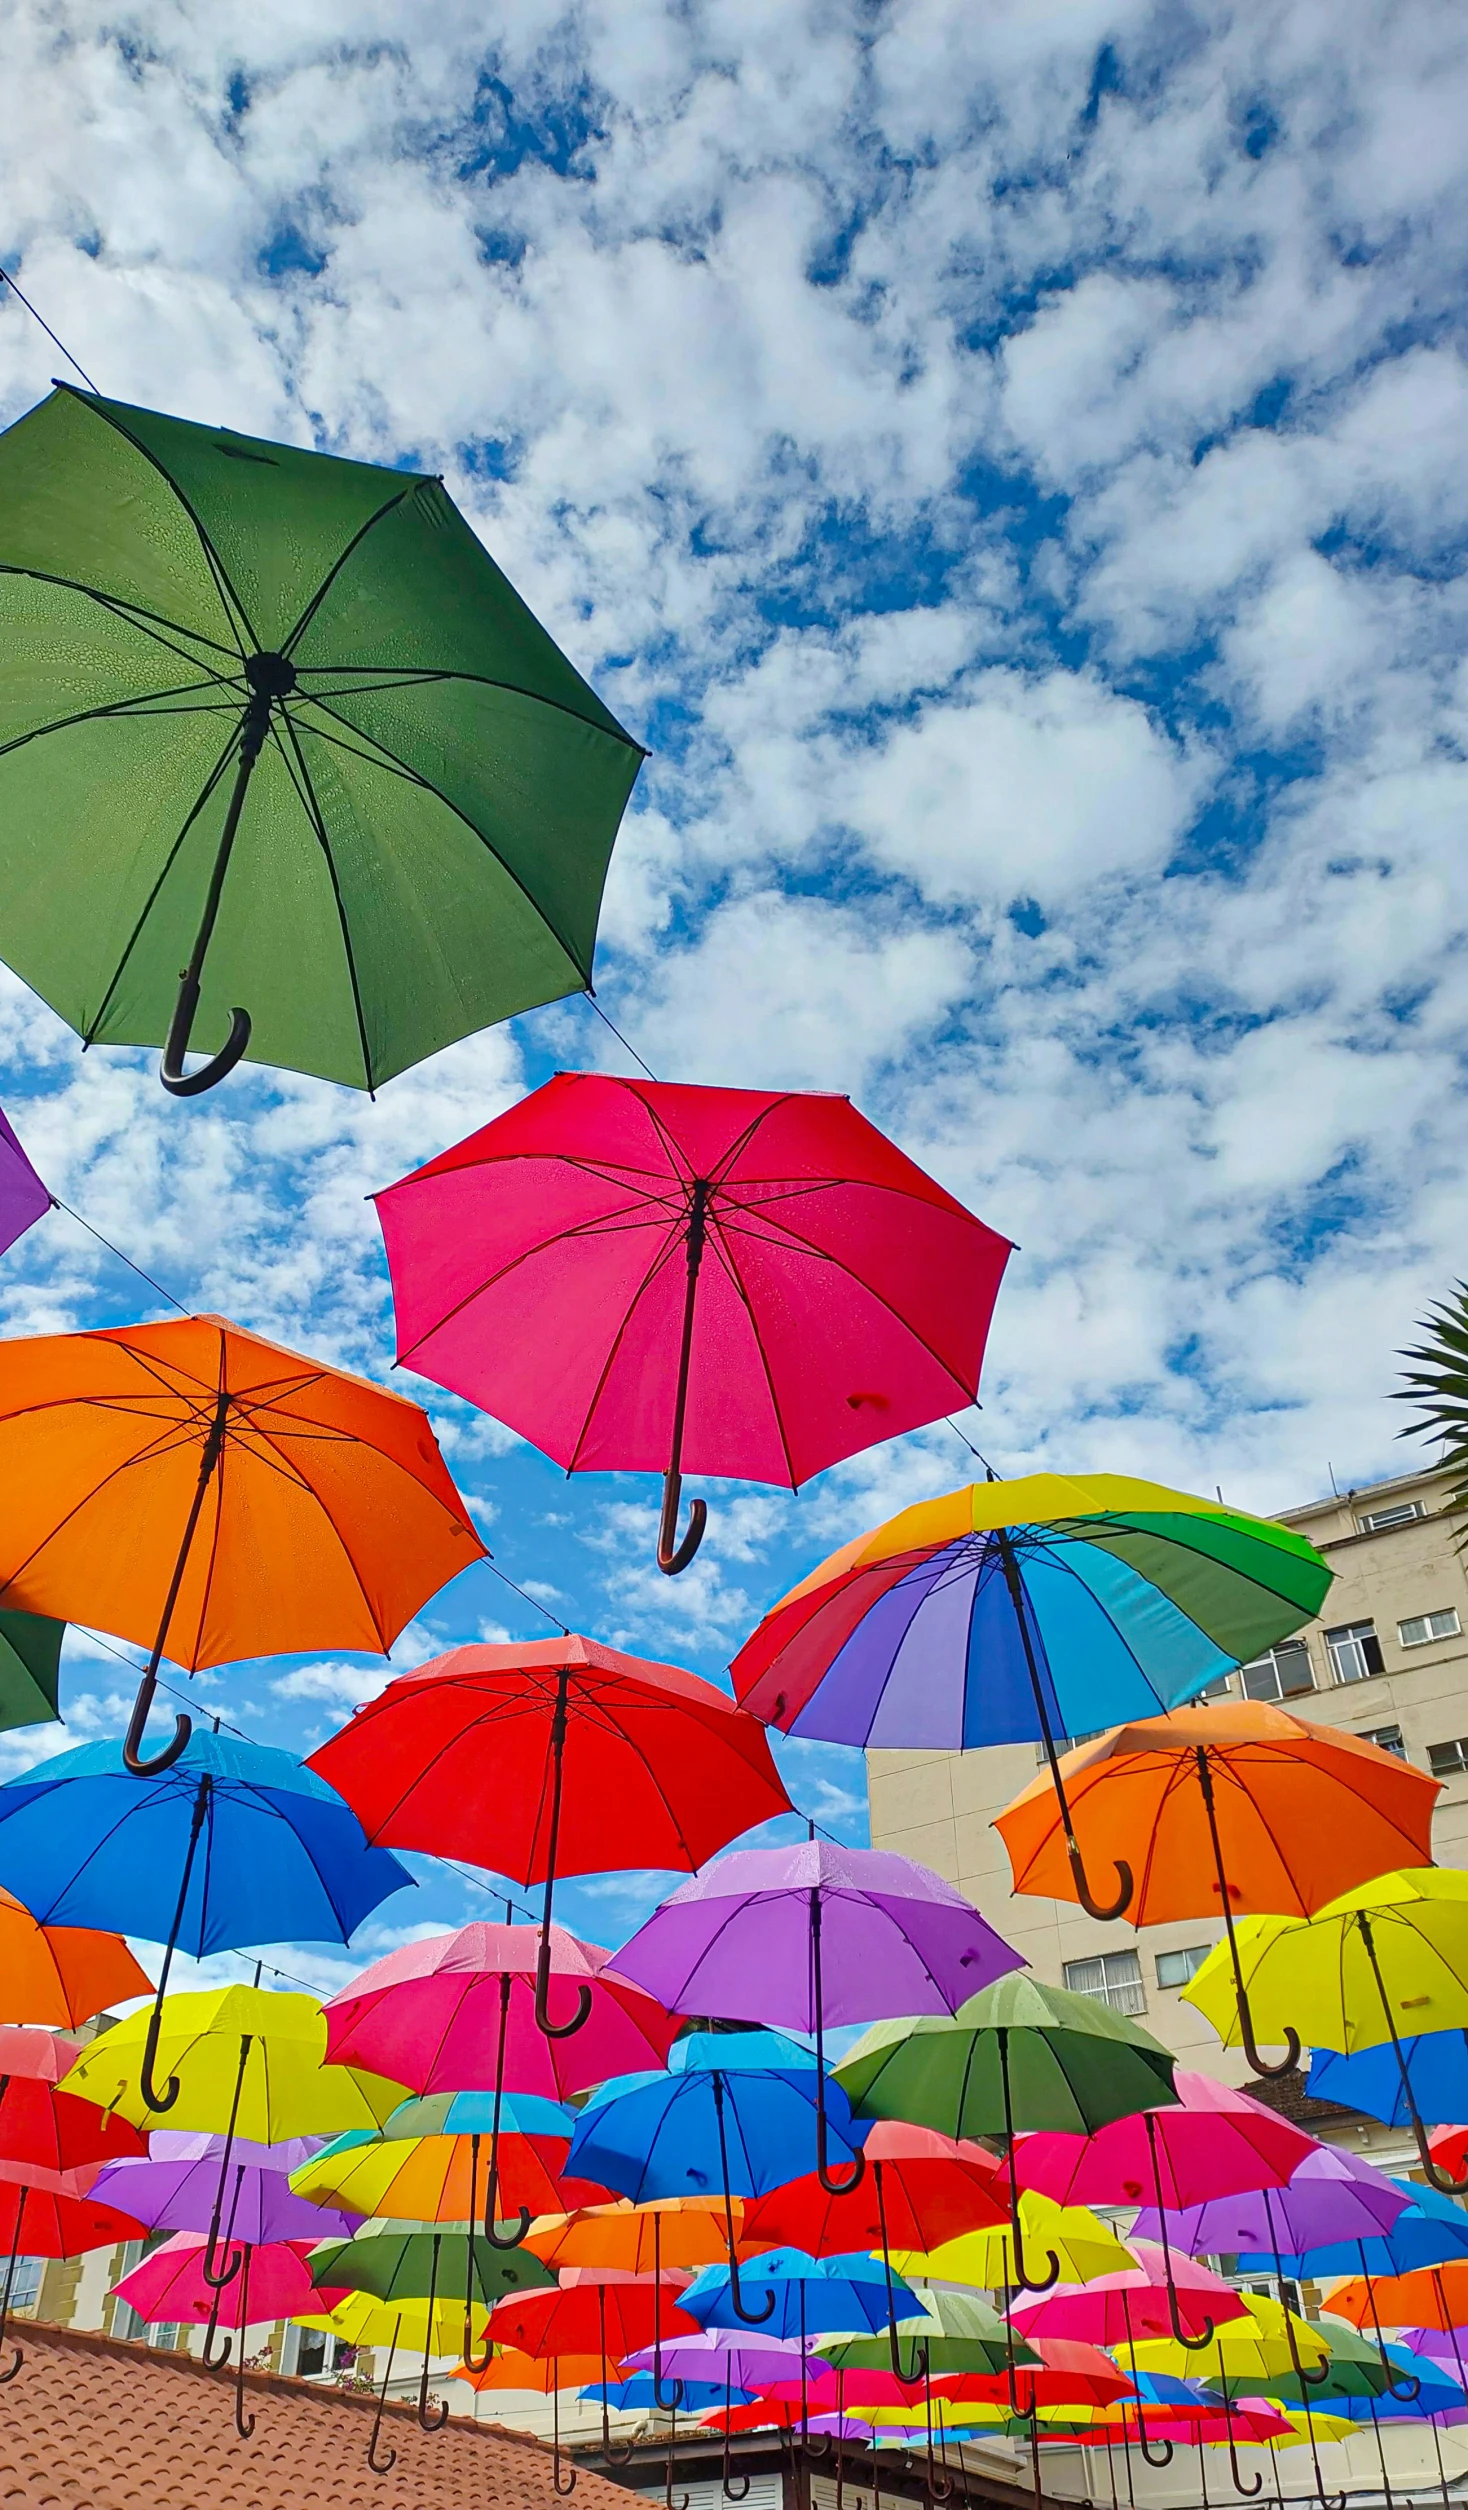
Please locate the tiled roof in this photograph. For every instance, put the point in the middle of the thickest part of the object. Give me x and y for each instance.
(93, 2424)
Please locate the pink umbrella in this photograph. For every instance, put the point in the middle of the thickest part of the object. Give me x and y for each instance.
(1123, 2308)
(641, 1275)
(1215, 2142)
(274, 2282)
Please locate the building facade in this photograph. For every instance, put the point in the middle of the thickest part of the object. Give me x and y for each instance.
(1388, 1659)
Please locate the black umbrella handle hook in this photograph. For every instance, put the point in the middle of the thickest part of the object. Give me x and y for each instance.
(183, 1727)
(244, 2423)
(1023, 2276)
(1306, 2377)
(278, 678)
(751, 2318)
(385, 2465)
(211, 2360)
(1258, 2065)
(543, 2023)
(153, 2098)
(474, 2361)
(1439, 2179)
(518, 2229)
(1248, 2492)
(556, 2464)
(673, 1556)
(212, 2277)
(1146, 2447)
(833, 2187)
(1190, 2344)
(1105, 1912)
(14, 2370)
(435, 2421)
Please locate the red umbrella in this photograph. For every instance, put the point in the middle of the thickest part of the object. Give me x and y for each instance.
(47, 2214)
(640, 1276)
(920, 2189)
(57, 2131)
(554, 1757)
(589, 2315)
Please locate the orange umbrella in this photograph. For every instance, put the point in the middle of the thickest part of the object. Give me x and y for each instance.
(675, 2231)
(1430, 2296)
(193, 1487)
(507, 2368)
(1235, 1807)
(58, 1976)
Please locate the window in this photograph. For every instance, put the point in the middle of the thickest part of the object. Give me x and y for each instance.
(1174, 1969)
(1221, 1689)
(25, 2287)
(1355, 1651)
(1446, 1759)
(1427, 1625)
(1115, 1977)
(1386, 1739)
(1281, 1674)
(1401, 1512)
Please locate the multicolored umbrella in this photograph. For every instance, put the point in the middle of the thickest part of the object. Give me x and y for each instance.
(1398, 1944)
(546, 1758)
(212, 1496)
(1236, 1806)
(813, 1936)
(424, 2163)
(1011, 1612)
(59, 1976)
(651, 1277)
(306, 745)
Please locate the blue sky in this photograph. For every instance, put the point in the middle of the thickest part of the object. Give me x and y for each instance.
(1007, 465)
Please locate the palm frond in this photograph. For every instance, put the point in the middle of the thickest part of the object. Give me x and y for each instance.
(1436, 1382)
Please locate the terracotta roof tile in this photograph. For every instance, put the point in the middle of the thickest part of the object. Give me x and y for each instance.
(93, 2424)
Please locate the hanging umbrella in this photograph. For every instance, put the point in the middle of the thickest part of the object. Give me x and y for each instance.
(957, 2331)
(1399, 1944)
(212, 1496)
(1249, 2353)
(424, 2266)
(1081, 2242)
(425, 2163)
(509, 2368)
(30, 1669)
(234, 1843)
(1135, 2303)
(176, 2188)
(1435, 2067)
(610, 2320)
(302, 724)
(675, 2234)
(549, 1757)
(734, 2114)
(651, 1277)
(59, 1976)
(634, 2395)
(53, 2129)
(1213, 2142)
(750, 2361)
(46, 2213)
(1019, 2057)
(23, 1198)
(814, 1936)
(1068, 2374)
(1236, 1806)
(1016, 1612)
(171, 2284)
(813, 2296)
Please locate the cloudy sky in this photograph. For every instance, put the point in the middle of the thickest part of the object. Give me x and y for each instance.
(1007, 465)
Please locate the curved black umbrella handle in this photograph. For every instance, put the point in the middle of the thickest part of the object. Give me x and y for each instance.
(729, 2492)
(13, 2372)
(269, 676)
(543, 2023)
(1307, 2378)
(182, 1084)
(132, 1742)
(1247, 2491)
(1258, 2065)
(155, 2100)
(1190, 2344)
(473, 2361)
(1023, 2276)
(833, 2187)
(244, 2423)
(384, 2466)
(1145, 2445)
(751, 2318)
(1093, 1907)
(570, 2485)
(212, 2277)
(518, 2229)
(616, 2452)
(211, 2360)
(673, 1556)
(1107, 1911)
(668, 2502)
(1436, 2178)
(431, 2422)
(132, 1748)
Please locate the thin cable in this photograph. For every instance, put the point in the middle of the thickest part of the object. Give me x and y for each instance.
(50, 334)
(622, 1041)
(533, 1600)
(950, 1423)
(58, 1205)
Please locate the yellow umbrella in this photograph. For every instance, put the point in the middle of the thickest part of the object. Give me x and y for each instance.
(1244, 2353)
(1388, 1958)
(247, 2063)
(362, 2319)
(1079, 2238)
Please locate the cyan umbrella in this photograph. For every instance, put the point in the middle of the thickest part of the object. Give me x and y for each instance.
(814, 2296)
(234, 1843)
(733, 2115)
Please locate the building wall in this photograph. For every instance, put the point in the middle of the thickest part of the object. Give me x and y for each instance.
(939, 1806)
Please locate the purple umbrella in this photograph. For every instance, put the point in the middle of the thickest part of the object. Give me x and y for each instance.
(809, 1937)
(179, 2188)
(744, 2361)
(23, 1198)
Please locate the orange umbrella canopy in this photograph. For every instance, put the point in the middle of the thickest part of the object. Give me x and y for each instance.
(675, 2231)
(58, 1976)
(1302, 1813)
(327, 1519)
(507, 2368)
(1430, 2296)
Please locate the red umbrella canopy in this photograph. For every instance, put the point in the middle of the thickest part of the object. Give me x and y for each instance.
(460, 1759)
(607, 2319)
(1216, 2142)
(457, 2013)
(43, 2216)
(55, 2131)
(919, 2189)
(641, 1276)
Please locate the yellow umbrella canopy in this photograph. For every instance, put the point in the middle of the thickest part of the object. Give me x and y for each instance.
(361, 2319)
(240, 2050)
(1080, 2240)
(1252, 2349)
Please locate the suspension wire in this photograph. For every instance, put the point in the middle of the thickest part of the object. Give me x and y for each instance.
(489, 1562)
(60, 344)
(622, 1041)
(82, 1223)
(964, 1440)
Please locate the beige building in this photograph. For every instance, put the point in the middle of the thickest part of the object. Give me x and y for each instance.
(1388, 1659)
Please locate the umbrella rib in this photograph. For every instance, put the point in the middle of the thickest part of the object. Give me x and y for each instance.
(726, 1257)
(612, 731)
(822, 1256)
(118, 706)
(611, 1225)
(1115, 1522)
(390, 506)
(213, 560)
(147, 1455)
(131, 613)
(215, 774)
(317, 817)
(662, 1257)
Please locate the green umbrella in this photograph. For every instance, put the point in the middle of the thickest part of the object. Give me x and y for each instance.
(276, 732)
(1018, 2058)
(958, 2331)
(417, 2261)
(30, 1669)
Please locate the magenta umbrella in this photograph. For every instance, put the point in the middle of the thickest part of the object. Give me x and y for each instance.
(273, 2282)
(641, 1276)
(1123, 2308)
(809, 1937)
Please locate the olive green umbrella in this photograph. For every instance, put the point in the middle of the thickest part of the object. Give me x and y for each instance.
(30, 1669)
(1018, 2058)
(418, 2263)
(956, 2331)
(286, 764)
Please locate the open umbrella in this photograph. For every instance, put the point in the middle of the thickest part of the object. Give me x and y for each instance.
(1398, 1944)
(814, 2296)
(51, 2128)
(171, 2284)
(48, 2213)
(361, 2319)
(280, 722)
(424, 2163)
(212, 1496)
(1433, 2069)
(1074, 2235)
(669, 2234)
(813, 1936)
(402, 2264)
(176, 2188)
(548, 1757)
(59, 1976)
(734, 2114)
(1229, 1807)
(234, 1843)
(23, 1198)
(1011, 1612)
(1019, 2057)
(1133, 2303)
(650, 1277)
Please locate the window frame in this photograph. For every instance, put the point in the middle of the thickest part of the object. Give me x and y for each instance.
(1423, 1621)
(1135, 1985)
(1196, 1953)
(1363, 1638)
(1449, 1769)
(1293, 1647)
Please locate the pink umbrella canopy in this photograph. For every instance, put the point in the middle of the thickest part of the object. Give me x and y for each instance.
(23, 1198)
(1215, 2142)
(646, 1277)
(1122, 2308)
(169, 2285)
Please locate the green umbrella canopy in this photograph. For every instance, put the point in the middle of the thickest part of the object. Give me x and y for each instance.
(1073, 2065)
(396, 2261)
(1355, 2369)
(424, 839)
(959, 2331)
(30, 1669)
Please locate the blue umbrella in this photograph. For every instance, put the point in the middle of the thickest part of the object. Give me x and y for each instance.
(695, 2396)
(1428, 2231)
(814, 2296)
(234, 1843)
(1435, 2066)
(735, 2113)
